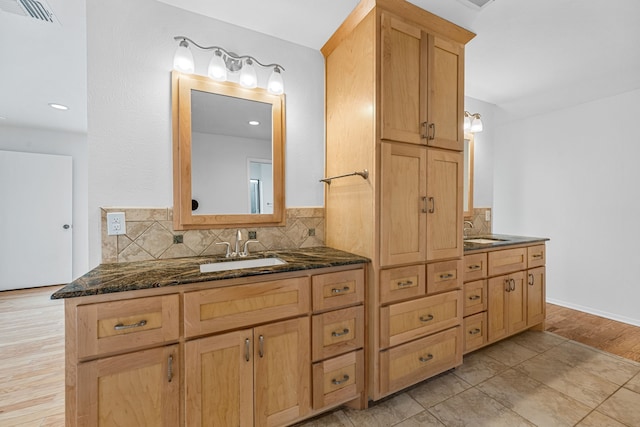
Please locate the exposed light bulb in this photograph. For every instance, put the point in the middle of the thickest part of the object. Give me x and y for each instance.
(183, 58)
(275, 84)
(248, 77)
(217, 67)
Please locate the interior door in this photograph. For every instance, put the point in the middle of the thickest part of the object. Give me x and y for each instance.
(35, 220)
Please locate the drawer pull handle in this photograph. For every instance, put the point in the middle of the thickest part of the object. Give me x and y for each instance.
(426, 359)
(474, 267)
(247, 349)
(120, 326)
(261, 346)
(425, 205)
(432, 203)
(339, 291)
(344, 379)
(405, 284)
(341, 333)
(474, 297)
(427, 318)
(537, 256)
(446, 276)
(170, 369)
(532, 280)
(475, 331)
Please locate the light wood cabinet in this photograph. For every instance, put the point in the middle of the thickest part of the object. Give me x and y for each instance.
(536, 298)
(510, 300)
(135, 389)
(238, 352)
(422, 91)
(394, 106)
(506, 305)
(266, 367)
(403, 204)
(221, 362)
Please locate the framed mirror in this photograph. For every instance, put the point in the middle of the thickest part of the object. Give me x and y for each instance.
(228, 154)
(468, 175)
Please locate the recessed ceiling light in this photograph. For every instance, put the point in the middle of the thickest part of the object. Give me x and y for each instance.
(254, 122)
(58, 106)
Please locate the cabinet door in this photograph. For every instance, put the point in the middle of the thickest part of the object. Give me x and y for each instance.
(444, 204)
(445, 95)
(282, 373)
(517, 303)
(222, 362)
(403, 90)
(497, 322)
(134, 389)
(403, 222)
(535, 296)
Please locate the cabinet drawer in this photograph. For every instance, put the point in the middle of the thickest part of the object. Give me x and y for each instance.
(475, 331)
(475, 267)
(402, 283)
(338, 380)
(339, 289)
(337, 332)
(475, 297)
(507, 261)
(117, 326)
(536, 256)
(444, 276)
(410, 363)
(405, 321)
(232, 307)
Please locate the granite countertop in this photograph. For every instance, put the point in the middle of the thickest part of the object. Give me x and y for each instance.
(121, 277)
(502, 240)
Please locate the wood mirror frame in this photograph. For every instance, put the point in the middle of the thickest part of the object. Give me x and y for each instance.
(468, 176)
(183, 217)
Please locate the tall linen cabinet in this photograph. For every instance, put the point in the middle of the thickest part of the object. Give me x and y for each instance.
(394, 106)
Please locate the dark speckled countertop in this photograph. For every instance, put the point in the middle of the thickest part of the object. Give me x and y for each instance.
(129, 276)
(502, 240)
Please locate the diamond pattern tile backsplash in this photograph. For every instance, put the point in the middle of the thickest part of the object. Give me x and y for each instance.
(150, 235)
(481, 226)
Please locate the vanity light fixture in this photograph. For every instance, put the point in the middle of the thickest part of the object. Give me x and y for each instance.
(472, 122)
(223, 62)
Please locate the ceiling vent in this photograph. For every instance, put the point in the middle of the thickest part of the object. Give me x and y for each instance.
(36, 9)
(476, 4)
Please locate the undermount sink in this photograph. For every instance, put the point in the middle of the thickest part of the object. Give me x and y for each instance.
(239, 264)
(483, 240)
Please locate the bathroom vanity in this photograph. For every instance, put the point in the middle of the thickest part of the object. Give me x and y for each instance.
(161, 343)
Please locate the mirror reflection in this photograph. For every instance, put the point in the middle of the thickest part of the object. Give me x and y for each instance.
(231, 155)
(228, 154)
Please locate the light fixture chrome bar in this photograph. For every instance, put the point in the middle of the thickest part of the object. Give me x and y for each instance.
(229, 54)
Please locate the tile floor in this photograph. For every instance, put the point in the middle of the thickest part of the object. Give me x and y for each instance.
(532, 379)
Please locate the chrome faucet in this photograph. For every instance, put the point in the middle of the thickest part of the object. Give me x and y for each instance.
(237, 252)
(238, 243)
(465, 228)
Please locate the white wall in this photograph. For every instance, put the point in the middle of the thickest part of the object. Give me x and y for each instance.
(130, 51)
(30, 140)
(573, 176)
(220, 171)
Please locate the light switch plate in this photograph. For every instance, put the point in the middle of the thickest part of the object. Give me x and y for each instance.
(487, 215)
(116, 223)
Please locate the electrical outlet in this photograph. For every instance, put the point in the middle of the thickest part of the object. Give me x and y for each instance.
(116, 223)
(487, 215)
(312, 232)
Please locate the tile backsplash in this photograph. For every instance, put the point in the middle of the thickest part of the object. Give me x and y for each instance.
(150, 235)
(481, 226)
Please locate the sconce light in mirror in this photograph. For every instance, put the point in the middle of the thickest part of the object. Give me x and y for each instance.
(472, 122)
(223, 62)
